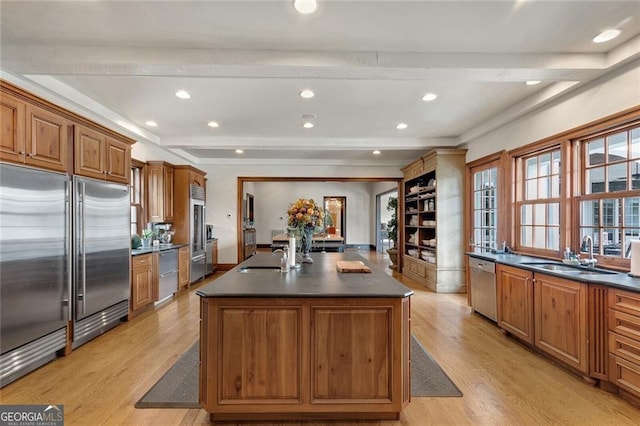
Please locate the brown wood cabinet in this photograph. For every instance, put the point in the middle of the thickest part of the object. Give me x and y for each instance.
(41, 134)
(32, 135)
(184, 265)
(304, 358)
(560, 311)
(160, 191)
(100, 156)
(515, 301)
(144, 282)
(430, 220)
(183, 178)
(624, 341)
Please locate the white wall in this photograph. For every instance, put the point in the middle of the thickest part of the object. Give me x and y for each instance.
(272, 200)
(222, 194)
(606, 96)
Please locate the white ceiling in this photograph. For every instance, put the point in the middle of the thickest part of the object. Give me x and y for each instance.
(369, 63)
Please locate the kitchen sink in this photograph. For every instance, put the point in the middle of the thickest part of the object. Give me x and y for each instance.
(258, 269)
(573, 270)
(554, 267)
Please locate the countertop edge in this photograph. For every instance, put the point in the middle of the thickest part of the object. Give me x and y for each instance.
(619, 280)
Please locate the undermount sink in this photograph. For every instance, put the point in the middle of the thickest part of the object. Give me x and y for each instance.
(573, 270)
(258, 269)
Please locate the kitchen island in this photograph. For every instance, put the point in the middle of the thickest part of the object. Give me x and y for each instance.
(313, 343)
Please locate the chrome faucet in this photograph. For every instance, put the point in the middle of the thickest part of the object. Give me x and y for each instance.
(284, 262)
(591, 261)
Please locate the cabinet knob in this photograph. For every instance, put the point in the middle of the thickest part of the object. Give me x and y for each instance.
(30, 155)
(21, 152)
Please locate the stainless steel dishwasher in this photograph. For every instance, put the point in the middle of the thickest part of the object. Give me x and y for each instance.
(483, 287)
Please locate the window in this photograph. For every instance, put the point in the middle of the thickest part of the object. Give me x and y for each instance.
(610, 204)
(485, 209)
(137, 195)
(538, 200)
(486, 201)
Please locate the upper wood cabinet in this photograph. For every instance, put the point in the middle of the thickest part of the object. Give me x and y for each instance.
(32, 135)
(12, 144)
(41, 134)
(184, 176)
(100, 156)
(160, 191)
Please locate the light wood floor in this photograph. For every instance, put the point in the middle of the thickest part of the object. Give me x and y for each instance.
(503, 382)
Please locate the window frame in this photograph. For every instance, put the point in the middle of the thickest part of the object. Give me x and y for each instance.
(140, 207)
(581, 142)
(500, 162)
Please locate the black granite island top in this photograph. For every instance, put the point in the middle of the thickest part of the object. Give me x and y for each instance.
(318, 279)
(609, 278)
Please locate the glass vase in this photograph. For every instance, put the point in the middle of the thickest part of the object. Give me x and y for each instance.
(306, 239)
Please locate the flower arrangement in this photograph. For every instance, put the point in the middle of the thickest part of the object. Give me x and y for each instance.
(305, 214)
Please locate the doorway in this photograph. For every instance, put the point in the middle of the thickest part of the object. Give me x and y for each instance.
(382, 217)
(335, 210)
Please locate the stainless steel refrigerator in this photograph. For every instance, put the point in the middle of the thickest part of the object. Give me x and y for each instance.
(101, 256)
(35, 268)
(64, 259)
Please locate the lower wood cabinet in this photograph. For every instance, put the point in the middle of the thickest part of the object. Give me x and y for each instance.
(304, 358)
(624, 340)
(184, 265)
(515, 301)
(144, 281)
(560, 311)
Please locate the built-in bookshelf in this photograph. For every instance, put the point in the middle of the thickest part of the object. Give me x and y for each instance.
(433, 225)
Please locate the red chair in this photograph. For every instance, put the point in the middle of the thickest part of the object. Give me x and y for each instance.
(331, 230)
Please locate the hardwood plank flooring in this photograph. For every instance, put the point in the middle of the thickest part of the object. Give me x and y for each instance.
(503, 382)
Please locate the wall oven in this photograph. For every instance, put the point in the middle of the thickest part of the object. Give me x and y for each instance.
(197, 238)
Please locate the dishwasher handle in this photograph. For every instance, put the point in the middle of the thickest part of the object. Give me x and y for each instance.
(483, 265)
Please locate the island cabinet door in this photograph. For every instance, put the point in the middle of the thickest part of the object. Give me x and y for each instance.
(253, 355)
(351, 354)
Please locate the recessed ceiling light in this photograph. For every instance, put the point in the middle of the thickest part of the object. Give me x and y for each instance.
(151, 123)
(376, 152)
(429, 97)
(213, 124)
(307, 125)
(307, 94)
(183, 94)
(239, 151)
(533, 82)
(401, 126)
(305, 6)
(607, 35)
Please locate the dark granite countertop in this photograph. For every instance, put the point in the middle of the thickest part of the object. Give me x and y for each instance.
(620, 280)
(161, 247)
(318, 279)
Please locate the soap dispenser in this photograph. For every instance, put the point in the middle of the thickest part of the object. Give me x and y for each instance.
(284, 262)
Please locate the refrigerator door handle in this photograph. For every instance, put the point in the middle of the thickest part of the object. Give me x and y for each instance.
(67, 210)
(83, 248)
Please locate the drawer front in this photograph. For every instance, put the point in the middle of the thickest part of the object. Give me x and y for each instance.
(141, 260)
(624, 324)
(415, 267)
(625, 301)
(625, 374)
(624, 347)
